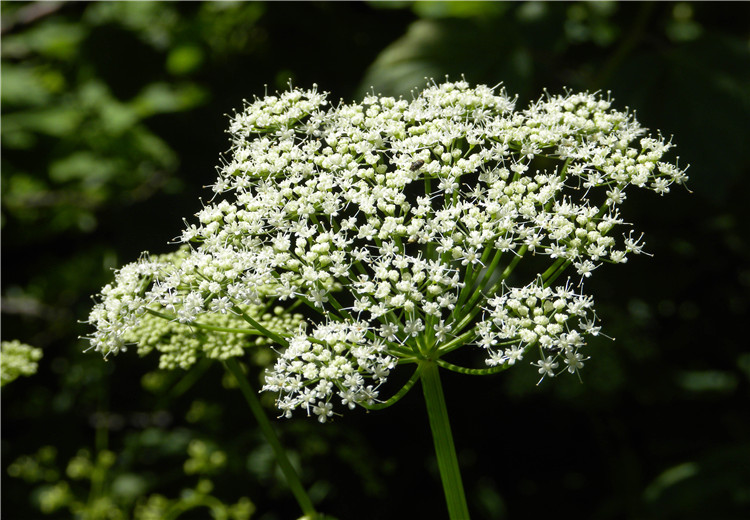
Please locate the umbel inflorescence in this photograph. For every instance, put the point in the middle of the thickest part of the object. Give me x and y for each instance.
(399, 231)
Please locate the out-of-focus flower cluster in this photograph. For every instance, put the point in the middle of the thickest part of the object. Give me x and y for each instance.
(401, 226)
(17, 359)
(65, 489)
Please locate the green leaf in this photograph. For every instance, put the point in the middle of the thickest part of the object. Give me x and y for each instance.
(434, 48)
(159, 98)
(54, 39)
(56, 122)
(29, 86)
(85, 166)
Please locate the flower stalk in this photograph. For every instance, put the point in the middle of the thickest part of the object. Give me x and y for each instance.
(450, 473)
(290, 474)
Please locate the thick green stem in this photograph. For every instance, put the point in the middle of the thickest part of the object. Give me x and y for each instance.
(287, 469)
(437, 412)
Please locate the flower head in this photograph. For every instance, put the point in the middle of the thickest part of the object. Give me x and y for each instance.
(400, 225)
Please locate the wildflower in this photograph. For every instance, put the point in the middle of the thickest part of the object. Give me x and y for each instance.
(397, 224)
(547, 367)
(574, 360)
(442, 330)
(413, 327)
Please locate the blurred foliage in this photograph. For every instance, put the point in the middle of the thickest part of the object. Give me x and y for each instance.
(108, 493)
(96, 149)
(112, 122)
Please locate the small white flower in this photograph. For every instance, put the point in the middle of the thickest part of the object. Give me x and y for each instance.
(323, 410)
(513, 354)
(442, 330)
(574, 360)
(389, 331)
(546, 366)
(413, 327)
(221, 305)
(318, 296)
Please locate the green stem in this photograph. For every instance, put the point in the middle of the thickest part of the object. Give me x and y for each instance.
(190, 378)
(398, 395)
(209, 502)
(287, 469)
(437, 412)
(552, 274)
(272, 335)
(203, 326)
(457, 342)
(473, 371)
(474, 300)
(99, 473)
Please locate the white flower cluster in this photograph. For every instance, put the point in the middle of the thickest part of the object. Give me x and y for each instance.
(556, 321)
(121, 306)
(155, 301)
(334, 352)
(400, 224)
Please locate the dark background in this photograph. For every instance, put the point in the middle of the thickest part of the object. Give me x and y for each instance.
(113, 119)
